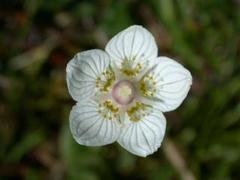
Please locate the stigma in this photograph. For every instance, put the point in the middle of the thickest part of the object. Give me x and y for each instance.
(123, 92)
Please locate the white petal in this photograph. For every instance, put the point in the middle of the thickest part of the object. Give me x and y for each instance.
(84, 70)
(134, 44)
(89, 127)
(145, 136)
(167, 84)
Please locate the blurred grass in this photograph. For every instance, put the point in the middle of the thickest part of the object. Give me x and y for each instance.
(39, 37)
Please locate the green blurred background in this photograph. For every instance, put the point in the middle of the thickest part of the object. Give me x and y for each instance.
(39, 37)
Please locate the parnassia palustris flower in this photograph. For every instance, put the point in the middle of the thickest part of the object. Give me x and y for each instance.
(122, 92)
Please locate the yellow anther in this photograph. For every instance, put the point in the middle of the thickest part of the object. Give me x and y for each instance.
(138, 111)
(108, 105)
(107, 110)
(129, 69)
(105, 81)
(147, 86)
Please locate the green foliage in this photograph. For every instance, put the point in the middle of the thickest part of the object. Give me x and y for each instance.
(39, 37)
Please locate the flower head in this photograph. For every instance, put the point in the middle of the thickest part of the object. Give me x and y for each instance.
(122, 92)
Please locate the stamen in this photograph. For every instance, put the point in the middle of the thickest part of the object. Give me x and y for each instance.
(147, 86)
(108, 111)
(138, 111)
(105, 81)
(130, 67)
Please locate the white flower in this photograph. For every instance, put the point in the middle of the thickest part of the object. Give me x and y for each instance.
(122, 92)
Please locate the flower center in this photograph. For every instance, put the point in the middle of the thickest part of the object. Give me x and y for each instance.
(123, 92)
